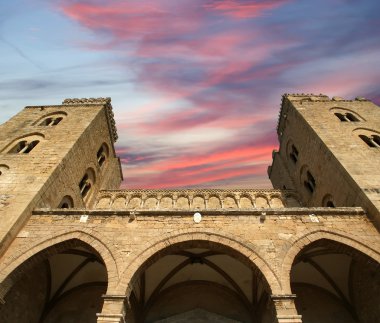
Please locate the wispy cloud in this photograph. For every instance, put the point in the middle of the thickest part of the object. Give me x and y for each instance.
(199, 82)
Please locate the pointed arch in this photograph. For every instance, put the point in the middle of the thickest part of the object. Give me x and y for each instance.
(247, 252)
(298, 243)
(27, 257)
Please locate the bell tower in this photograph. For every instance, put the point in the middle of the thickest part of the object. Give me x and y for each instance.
(56, 156)
(329, 151)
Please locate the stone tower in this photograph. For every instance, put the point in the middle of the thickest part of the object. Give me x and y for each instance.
(50, 157)
(329, 152)
(76, 248)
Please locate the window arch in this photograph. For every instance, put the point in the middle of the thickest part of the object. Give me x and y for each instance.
(346, 115)
(51, 119)
(24, 145)
(340, 116)
(328, 201)
(66, 202)
(102, 154)
(308, 180)
(86, 183)
(292, 152)
(370, 137)
(351, 117)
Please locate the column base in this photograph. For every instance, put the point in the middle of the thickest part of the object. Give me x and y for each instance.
(110, 318)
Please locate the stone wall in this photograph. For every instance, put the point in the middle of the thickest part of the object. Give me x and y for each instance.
(55, 166)
(343, 166)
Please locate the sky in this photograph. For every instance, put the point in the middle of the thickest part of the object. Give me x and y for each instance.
(196, 85)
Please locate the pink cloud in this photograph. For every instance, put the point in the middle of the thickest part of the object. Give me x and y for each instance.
(241, 10)
(187, 179)
(129, 20)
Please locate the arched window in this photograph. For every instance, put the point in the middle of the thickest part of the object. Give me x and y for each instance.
(309, 182)
(23, 147)
(328, 201)
(372, 141)
(51, 121)
(102, 154)
(66, 203)
(46, 122)
(86, 183)
(351, 117)
(341, 117)
(294, 154)
(346, 115)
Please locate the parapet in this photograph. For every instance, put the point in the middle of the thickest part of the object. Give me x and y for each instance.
(307, 98)
(197, 199)
(96, 101)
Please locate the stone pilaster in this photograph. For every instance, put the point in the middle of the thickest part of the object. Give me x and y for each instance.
(114, 309)
(286, 311)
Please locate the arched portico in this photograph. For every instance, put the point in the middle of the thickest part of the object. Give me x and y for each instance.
(55, 281)
(335, 277)
(205, 249)
(298, 243)
(42, 249)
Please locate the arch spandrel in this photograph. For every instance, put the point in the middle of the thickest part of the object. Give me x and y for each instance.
(297, 244)
(24, 255)
(157, 248)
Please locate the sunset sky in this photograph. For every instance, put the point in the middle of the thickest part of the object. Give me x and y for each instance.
(196, 85)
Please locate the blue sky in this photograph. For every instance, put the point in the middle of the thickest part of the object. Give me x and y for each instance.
(195, 84)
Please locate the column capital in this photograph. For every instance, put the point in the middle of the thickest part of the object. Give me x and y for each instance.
(285, 308)
(114, 308)
(279, 297)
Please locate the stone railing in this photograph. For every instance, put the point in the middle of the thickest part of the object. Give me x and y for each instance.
(207, 199)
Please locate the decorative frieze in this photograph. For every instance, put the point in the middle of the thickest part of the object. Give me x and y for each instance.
(210, 199)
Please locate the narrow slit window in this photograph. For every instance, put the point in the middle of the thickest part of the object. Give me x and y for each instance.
(310, 182)
(351, 117)
(330, 204)
(368, 141)
(84, 185)
(23, 147)
(376, 140)
(56, 121)
(294, 154)
(50, 122)
(30, 147)
(46, 122)
(101, 156)
(341, 117)
(19, 147)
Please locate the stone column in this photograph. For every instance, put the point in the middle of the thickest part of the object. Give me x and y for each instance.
(114, 310)
(285, 309)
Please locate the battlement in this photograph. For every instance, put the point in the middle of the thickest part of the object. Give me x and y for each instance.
(310, 97)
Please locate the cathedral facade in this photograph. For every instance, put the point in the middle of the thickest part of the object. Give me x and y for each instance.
(76, 248)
